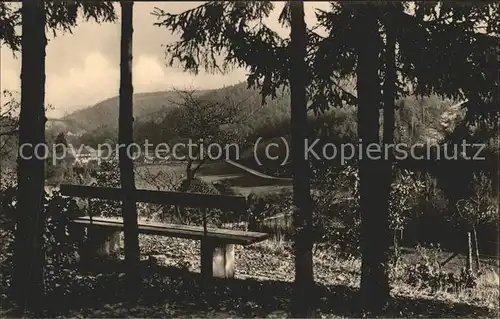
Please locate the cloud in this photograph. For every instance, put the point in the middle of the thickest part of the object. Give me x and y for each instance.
(82, 67)
(82, 85)
(147, 73)
(97, 79)
(150, 74)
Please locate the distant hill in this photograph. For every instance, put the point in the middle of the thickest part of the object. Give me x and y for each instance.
(270, 120)
(153, 106)
(105, 113)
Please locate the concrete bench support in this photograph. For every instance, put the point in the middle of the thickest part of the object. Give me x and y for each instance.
(217, 245)
(217, 259)
(101, 243)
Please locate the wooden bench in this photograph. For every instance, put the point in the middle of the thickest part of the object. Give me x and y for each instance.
(217, 245)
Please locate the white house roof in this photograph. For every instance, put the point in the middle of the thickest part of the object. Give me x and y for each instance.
(88, 150)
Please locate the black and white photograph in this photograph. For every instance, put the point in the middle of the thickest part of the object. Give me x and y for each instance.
(249, 159)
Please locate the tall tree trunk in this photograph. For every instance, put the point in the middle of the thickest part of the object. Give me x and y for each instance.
(389, 103)
(28, 253)
(375, 234)
(302, 305)
(125, 137)
(390, 76)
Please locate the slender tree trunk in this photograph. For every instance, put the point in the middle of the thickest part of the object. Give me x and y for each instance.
(468, 261)
(476, 247)
(28, 253)
(186, 184)
(126, 120)
(375, 234)
(304, 292)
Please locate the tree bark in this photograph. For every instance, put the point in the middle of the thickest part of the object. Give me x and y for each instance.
(186, 183)
(28, 252)
(375, 234)
(476, 247)
(125, 137)
(390, 76)
(468, 261)
(304, 296)
(389, 95)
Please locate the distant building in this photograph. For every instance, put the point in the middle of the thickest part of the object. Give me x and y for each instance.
(86, 154)
(76, 134)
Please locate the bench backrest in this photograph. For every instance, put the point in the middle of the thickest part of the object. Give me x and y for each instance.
(194, 200)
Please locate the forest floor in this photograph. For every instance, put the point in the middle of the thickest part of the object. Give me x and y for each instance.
(172, 287)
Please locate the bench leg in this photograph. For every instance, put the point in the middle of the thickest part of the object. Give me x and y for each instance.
(101, 243)
(217, 259)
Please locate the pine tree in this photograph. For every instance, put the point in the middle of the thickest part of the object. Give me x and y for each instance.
(34, 17)
(442, 49)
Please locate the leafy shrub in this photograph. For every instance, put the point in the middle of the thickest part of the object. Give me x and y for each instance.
(61, 241)
(336, 208)
(198, 186)
(106, 175)
(481, 207)
(263, 206)
(430, 220)
(337, 215)
(224, 187)
(428, 274)
(404, 196)
(270, 204)
(433, 197)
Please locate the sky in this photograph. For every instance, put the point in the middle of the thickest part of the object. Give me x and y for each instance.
(82, 67)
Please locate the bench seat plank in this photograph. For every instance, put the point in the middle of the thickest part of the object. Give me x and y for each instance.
(228, 236)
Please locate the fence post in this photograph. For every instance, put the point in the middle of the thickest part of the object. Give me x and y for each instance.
(468, 264)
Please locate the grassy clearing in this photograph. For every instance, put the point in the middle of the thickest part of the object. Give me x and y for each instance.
(273, 260)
